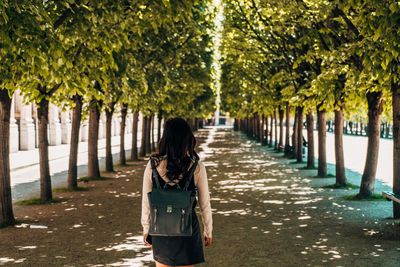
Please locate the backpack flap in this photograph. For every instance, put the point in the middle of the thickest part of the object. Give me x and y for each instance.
(170, 212)
(177, 198)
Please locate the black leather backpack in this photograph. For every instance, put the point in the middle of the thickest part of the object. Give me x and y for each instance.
(171, 208)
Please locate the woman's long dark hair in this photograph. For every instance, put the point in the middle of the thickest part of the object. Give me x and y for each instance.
(177, 146)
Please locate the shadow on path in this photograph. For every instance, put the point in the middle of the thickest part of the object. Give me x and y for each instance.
(266, 213)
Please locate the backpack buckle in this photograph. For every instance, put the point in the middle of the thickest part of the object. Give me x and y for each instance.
(169, 208)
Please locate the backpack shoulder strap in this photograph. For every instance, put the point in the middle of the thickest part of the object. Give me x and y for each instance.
(191, 175)
(154, 174)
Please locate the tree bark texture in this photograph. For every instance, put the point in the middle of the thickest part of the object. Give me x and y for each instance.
(295, 133)
(300, 135)
(287, 132)
(253, 127)
(271, 130)
(109, 158)
(250, 132)
(396, 146)
(134, 148)
(258, 118)
(148, 135)
(122, 154)
(93, 160)
(159, 117)
(262, 126)
(72, 178)
(322, 165)
(339, 154)
(281, 114)
(275, 130)
(375, 108)
(153, 136)
(6, 209)
(45, 179)
(250, 124)
(310, 141)
(144, 136)
(266, 130)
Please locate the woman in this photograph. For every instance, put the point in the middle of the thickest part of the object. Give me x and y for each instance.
(175, 157)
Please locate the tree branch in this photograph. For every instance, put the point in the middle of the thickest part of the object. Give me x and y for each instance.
(54, 89)
(64, 16)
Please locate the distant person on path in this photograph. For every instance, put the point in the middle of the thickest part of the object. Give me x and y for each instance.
(171, 165)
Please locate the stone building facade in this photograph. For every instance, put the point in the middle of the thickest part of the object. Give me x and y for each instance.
(24, 125)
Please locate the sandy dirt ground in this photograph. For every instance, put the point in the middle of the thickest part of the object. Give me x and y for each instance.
(267, 212)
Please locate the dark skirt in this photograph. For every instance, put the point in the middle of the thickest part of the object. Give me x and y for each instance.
(179, 250)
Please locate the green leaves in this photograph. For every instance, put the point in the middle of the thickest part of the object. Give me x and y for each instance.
(154, 55)
(308, 53)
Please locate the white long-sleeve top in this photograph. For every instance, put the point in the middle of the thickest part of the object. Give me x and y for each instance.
(200, 179)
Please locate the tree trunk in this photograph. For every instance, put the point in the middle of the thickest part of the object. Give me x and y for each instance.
(396, 145)
(375, 106)
(374, 114)
(253, 127)
(339, 155)
(249, 127)
(287, 132)
(6, 209)
(295, 133)
(262, 126)
(198, 123)
(275, 131)
(250, 133)
(300, 135)
(251, 123)
(93, 160)
(122, 156)
(72, 178)
(362, 129)
(109, 158)
(258, 124)
(159, 128)
(148, 135)
(271, 130)
(134, 149)
(322, 166)
(310, 141)
(45, 179)
(386, 130)
(144, 136)
(280, 145)
(153, 136)
(266, 131)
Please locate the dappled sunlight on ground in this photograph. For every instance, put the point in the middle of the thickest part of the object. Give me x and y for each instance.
(5, 260)
(143, 255)
(283, 217)
(267, 211)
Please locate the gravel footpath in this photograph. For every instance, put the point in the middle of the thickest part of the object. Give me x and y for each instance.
(267, 212)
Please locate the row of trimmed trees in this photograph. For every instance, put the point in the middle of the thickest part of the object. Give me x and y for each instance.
(301, 58)
(152, 57)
